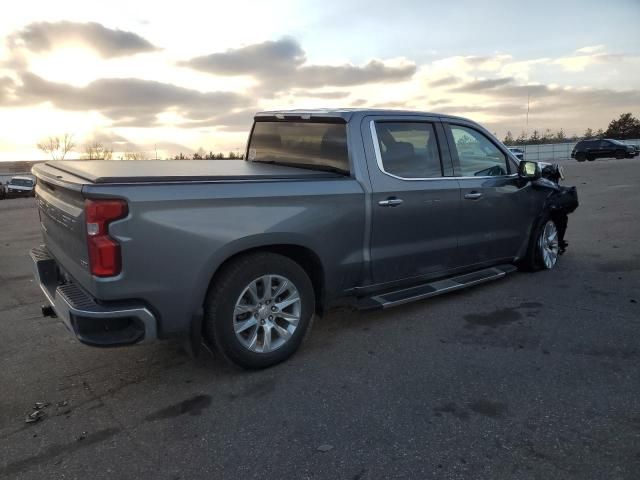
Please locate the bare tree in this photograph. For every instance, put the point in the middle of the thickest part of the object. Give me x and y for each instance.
(57, 147)
(135, 156)
(97, 151)
(200, 154)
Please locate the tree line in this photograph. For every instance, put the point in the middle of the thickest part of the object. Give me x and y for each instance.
(59, 147)
(623, 128)
(203, 155)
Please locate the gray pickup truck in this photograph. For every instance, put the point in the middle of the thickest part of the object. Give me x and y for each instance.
(373, 207)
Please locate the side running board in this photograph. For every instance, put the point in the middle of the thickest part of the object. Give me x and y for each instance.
(438, 287)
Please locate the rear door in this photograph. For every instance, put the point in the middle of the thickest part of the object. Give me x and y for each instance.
(496, 206)
(416, 200)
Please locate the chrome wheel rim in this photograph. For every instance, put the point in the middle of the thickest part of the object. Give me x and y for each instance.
(267, 313)
(549, 244)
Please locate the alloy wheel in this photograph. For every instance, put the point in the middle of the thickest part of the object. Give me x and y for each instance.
(548, 245)
(267, 313)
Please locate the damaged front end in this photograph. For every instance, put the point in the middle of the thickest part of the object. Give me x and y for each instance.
(561, 201)
(552, 171)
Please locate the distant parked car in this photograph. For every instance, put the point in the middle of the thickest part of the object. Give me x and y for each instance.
(3, 191)
(602, 148)
(21, 187)
(518, 152)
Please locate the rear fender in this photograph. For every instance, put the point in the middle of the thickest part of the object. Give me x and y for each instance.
(252, 242)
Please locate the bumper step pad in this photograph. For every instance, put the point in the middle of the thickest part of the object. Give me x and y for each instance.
(102, 325)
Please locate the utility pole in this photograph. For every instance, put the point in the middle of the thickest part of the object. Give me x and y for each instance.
(528, 102)
(527, 121)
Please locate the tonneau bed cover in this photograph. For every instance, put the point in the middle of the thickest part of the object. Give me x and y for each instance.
(149, 171)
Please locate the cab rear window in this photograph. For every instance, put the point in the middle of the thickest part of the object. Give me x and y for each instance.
(315, 145)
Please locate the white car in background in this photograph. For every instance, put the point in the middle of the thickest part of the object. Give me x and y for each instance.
(518, 152)
(21, 187)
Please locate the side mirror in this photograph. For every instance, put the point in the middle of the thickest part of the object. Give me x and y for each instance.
(529, 170)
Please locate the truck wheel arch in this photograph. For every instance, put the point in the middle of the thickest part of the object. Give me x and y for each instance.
(302, 255)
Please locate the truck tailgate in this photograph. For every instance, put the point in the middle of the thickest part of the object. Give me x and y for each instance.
(61, 210)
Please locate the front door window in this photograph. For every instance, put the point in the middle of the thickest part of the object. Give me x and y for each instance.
(477, 155)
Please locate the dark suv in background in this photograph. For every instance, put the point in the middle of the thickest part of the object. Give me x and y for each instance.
(602, 148)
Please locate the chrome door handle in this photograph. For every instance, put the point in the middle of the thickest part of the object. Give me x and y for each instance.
(473, 195)
(390, 202)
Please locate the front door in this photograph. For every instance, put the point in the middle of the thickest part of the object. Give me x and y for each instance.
(415, 207)
(495, 205)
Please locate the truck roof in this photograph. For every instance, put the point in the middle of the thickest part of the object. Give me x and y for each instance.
(344, 113)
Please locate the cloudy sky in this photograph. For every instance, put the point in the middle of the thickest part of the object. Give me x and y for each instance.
(177, 76)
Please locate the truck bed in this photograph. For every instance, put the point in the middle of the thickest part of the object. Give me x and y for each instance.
(151, 171)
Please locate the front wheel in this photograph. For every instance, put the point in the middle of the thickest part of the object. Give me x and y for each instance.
(258, 310)
(544, 246)
(581, 157)
(548, 245)
(620, 154)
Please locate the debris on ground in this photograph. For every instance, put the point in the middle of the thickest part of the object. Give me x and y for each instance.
(325, 448)
(38, 412)
(35, 416)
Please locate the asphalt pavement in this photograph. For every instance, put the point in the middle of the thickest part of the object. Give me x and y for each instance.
(532, 377)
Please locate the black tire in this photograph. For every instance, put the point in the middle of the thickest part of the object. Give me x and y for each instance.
(620, 154)
(225, 290)
(591, 158)
(581, 157)
(533, 260)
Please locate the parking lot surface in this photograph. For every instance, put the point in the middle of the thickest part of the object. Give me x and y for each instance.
(532, 377)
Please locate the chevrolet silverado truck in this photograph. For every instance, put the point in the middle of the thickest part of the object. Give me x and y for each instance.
(375, 208)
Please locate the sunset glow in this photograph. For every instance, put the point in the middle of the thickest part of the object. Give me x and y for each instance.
(145, 77)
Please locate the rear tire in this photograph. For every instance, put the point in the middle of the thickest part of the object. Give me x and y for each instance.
(544, 246)
(591, 158)
(581, 157)
(258, 310)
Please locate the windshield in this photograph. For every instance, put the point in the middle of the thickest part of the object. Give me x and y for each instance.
(316, 145)
(618, 142)
(21, 182)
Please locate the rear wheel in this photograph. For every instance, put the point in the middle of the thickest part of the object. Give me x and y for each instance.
(591, 157)
(581, 157)
(259, 309)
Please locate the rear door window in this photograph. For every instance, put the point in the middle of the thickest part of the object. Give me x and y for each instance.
(316, 145)
(409, 149)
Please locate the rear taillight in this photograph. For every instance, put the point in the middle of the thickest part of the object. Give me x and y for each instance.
(104, 251)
